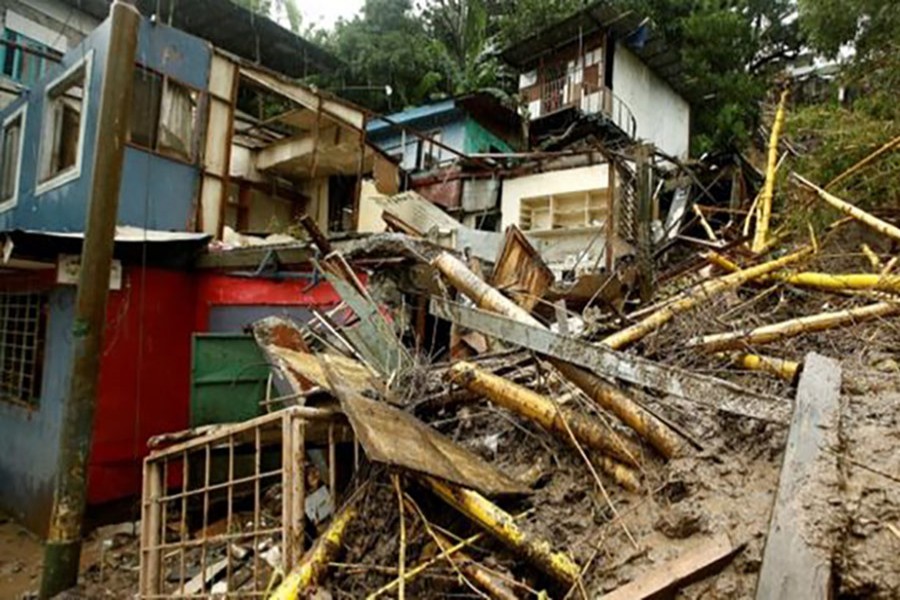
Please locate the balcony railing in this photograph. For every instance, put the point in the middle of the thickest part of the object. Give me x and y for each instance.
(563, 92)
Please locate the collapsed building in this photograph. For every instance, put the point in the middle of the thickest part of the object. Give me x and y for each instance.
(451, 345)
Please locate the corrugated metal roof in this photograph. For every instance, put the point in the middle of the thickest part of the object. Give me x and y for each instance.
(412, 115)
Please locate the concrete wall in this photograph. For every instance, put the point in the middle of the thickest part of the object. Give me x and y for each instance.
(157, 192)
(663, 117)
(543, 184)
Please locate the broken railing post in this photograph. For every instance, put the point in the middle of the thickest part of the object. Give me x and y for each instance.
(699, 294)
(502, 526)
(630, 412)
(556, 419)
(63, 549)
(645, 218)
(315, 563)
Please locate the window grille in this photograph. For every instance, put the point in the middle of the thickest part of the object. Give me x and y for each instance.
(23, 320)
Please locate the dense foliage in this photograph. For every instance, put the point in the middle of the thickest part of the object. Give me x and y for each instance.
(398, 54)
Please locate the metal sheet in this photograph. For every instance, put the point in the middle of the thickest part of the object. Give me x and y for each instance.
(700, 389)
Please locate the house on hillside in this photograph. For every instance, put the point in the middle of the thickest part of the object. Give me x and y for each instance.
(606, 73)
(216, 142)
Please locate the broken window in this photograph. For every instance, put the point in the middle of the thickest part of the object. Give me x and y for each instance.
(61, 144)
(164, 115)
(11, 157)
(23, 323)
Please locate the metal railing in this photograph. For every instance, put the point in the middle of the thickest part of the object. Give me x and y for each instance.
(562, 92)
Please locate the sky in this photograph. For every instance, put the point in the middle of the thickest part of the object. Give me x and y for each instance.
(324, 13)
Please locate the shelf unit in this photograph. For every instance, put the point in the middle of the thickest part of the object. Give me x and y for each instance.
(571, 210)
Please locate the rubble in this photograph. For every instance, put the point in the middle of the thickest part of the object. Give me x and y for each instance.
(456, 427)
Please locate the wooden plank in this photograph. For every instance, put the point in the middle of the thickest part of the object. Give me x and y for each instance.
(662, 580)
(394, 437)
(699, 389)
(798, 554)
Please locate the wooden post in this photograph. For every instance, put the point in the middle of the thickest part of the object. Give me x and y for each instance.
(797, 557)
(63, 550)
(645, 218)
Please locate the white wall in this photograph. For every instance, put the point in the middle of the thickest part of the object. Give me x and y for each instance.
(555, 182)
(663, 117)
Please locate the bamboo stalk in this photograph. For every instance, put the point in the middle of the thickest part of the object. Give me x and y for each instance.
(401, 558)
(544, 411)
(764, 211)
(845, 207)
(794, 327)
(501, 525)
(894, 143)
(661, 437)
(871, 257)
(314, 565)
(780, 367)
(483, 578)
(699, 294)
(705, 224)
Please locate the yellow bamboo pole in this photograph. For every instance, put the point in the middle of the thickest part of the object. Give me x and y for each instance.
(500, 524)
(544, 411)
(486, 580)
(661, 437)
(894, 143)
(871, 257)
(889, 266)
(314, 564)
(845, 207)
(780, 367)
(707, 228)
(722, 261)
(764, 210)
(841, 282)
(794, 327)
(699, 294)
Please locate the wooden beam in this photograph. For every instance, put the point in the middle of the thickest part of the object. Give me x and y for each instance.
(696, 388)
(693, 565)
(797, 557)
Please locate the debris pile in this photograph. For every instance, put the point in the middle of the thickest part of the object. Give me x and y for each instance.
(461, 431)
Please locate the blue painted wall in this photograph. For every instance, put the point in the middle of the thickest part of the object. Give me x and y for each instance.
(457, 130)
(28, 437)
(157, 192)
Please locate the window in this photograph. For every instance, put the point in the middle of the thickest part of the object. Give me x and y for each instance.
(164, 115)
(23, 325)
(62, 143)
(20, 65)
(11, 139)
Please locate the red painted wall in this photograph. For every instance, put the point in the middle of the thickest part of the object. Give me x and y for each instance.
(144, 377)
(226, 290)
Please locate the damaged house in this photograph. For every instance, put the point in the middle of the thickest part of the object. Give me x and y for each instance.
(217, 144)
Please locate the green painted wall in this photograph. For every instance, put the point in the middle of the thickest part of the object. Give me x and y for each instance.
(479, 139)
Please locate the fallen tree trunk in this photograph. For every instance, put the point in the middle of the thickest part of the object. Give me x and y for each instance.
(632, 414)
(697, 295)
(793, 327)
(860, 215)
(500, 524)
(315, 562)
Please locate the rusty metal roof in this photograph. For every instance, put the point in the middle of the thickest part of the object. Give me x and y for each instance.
(627, 26)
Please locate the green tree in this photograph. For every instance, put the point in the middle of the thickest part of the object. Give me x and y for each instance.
(270, 8)
(871, 28)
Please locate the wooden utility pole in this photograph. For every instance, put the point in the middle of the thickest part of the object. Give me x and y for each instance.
(644, 219)
(63, 550)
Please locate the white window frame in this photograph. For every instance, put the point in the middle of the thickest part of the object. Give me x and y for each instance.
(72, 173)
(22, 112)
